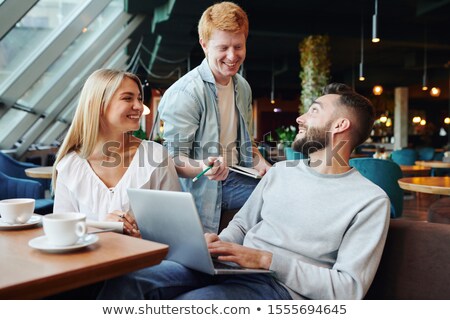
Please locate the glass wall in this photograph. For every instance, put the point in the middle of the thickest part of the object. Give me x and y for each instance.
(46, 57)
(30, 32)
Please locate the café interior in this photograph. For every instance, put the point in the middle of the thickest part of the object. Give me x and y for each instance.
(396, 53)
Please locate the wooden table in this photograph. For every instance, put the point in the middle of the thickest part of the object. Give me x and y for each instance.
(415, 170)
(27, 273)
(433, 185)
(433, 164)
(40, 172)
(359, 155)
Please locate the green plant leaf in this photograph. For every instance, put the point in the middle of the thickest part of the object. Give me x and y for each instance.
(140, 134)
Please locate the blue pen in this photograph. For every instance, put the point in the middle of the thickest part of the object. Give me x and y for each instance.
(205, 171)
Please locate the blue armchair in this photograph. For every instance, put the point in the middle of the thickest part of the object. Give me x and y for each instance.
(23, 188)
(406, 157)
(16, 169)
(385, 174)
(425, 153)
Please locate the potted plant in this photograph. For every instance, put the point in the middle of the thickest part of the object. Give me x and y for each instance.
(315, 68)
(286, 135)
(140, 133)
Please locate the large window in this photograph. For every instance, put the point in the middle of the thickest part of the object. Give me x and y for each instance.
(31, 31)
(71, 54)
(45, 58)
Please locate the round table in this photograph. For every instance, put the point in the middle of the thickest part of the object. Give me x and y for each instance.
(433, 185)
(40, 172)
(433, 164)
(415, 170)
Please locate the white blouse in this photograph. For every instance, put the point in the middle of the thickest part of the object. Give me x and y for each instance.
(79, 189)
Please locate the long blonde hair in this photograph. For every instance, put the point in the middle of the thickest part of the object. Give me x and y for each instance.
(95, 97)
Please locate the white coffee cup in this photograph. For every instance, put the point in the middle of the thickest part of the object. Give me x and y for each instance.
(16, 211)
(64, 229)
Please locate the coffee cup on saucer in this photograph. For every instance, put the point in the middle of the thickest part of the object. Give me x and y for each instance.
(64, 229)
(16, 211)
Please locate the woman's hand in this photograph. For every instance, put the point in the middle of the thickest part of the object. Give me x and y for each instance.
(129, 223)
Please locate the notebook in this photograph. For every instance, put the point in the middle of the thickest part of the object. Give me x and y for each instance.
(250, 172)
(171, 218)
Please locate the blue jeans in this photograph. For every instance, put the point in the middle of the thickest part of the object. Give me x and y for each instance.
(170, 280)
(236, 189)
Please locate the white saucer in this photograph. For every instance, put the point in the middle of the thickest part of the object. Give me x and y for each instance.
(34, 220)
(42, 243)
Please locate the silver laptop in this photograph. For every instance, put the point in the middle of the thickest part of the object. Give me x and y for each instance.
(171, 217)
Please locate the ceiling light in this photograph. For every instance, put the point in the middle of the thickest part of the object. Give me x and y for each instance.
(272, 91)
(447, 120)
(424, 77)
(377, 90)
(423, 122)
(389, 122)
(361, 75)
(435, 92)
(375, 37)
(361, 63)
(416, 119)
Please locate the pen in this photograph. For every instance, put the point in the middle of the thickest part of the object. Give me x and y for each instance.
(205, 171)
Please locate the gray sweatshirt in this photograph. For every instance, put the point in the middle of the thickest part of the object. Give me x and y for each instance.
(326, 231)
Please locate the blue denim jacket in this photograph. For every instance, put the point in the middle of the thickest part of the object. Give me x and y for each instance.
(191, 128)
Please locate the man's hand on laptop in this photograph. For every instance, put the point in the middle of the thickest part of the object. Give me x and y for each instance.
(232, 252)
(211, 237)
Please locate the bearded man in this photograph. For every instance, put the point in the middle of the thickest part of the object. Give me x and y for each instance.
(317, 223)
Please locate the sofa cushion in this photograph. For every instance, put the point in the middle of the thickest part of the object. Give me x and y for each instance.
(415, 262)
(225, 218)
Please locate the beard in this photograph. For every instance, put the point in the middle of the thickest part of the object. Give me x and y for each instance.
(315, 139)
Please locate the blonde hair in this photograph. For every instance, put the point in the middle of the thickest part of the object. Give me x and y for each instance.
(224, 16)
(95, 97)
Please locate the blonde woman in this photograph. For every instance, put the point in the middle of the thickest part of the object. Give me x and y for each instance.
(99, 158)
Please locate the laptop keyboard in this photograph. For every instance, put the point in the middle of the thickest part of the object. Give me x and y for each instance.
(220, 265)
